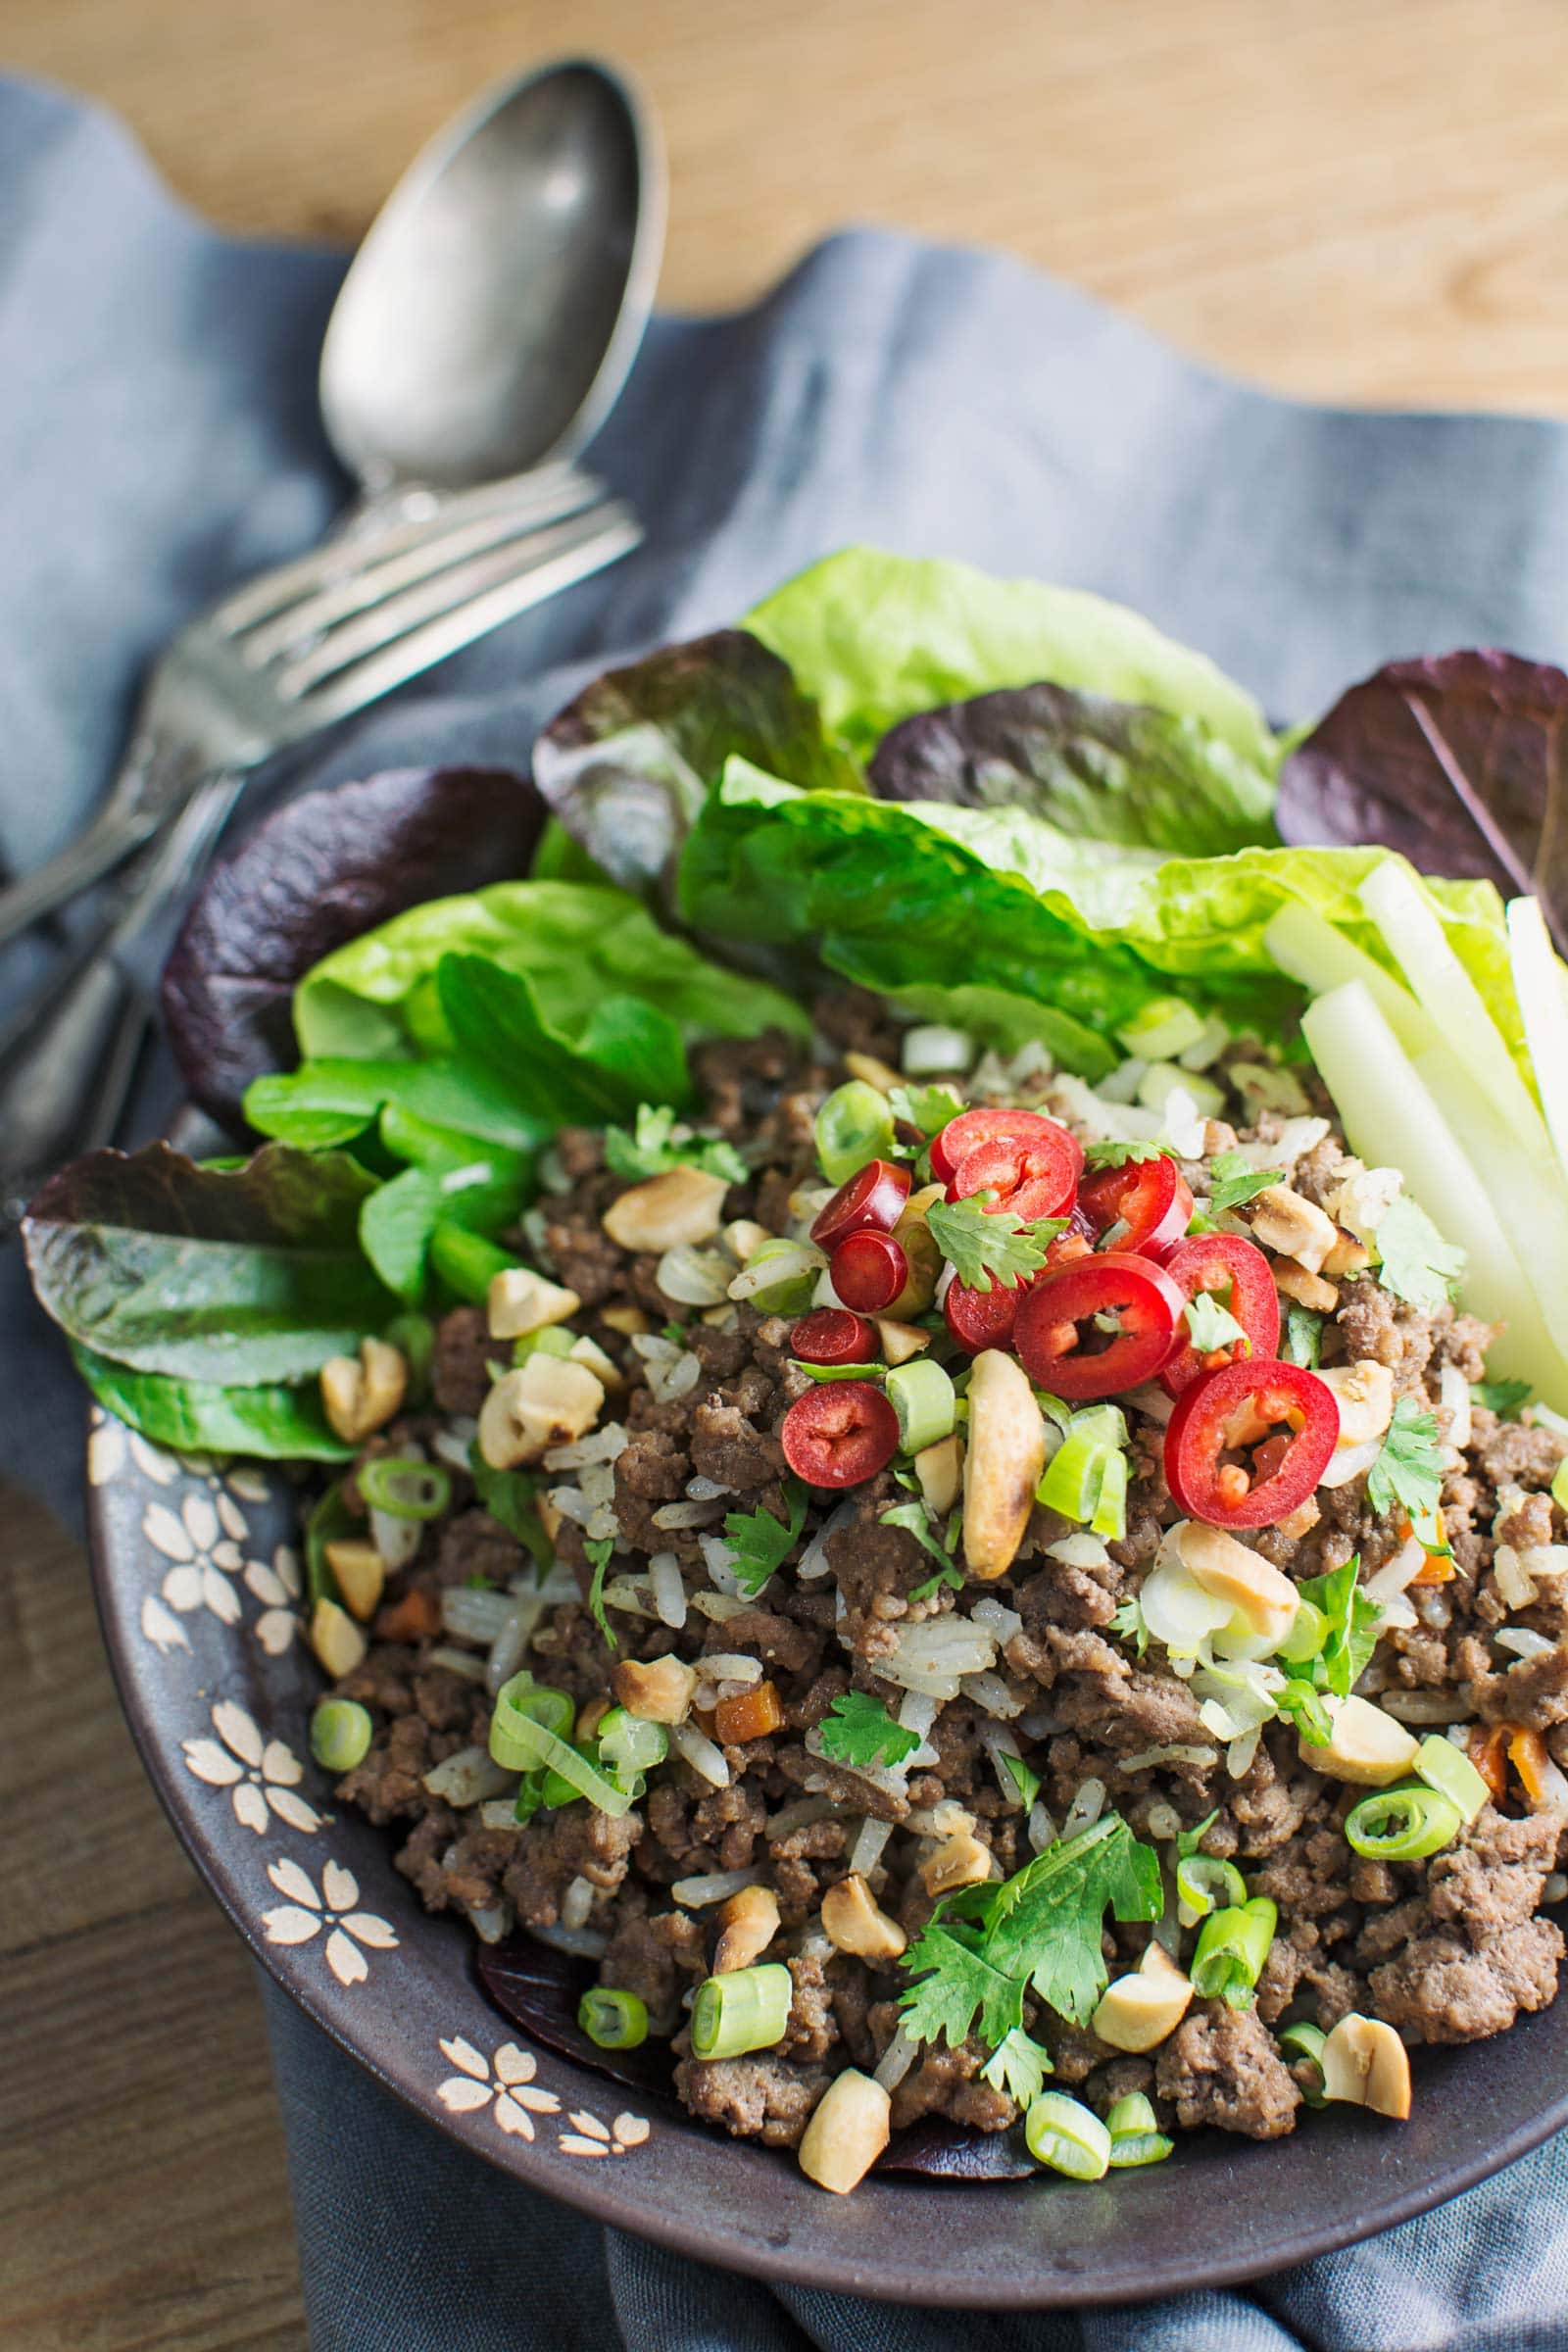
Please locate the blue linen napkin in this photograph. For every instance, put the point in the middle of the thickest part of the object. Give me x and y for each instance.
(159, 441)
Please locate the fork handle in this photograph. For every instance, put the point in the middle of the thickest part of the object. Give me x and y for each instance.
(154, 774)
(68, 1060)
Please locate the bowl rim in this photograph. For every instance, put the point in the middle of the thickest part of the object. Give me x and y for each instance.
(620, 2201)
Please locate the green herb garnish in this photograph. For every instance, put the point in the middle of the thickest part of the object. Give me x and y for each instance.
(986, 1245)
(761, 1543)
(1233, 1179)
(656, 1146)
(1409, 1469)
(599, 1549)
(1418, 1264)
(857, 1729)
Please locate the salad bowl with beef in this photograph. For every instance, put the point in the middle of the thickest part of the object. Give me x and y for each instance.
(925, 1371)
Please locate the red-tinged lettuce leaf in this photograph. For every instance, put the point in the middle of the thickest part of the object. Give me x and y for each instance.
(247, 1277)
(627, 765)
(1459, 761)
(539, 1988)
(1122, 773)
(319, 871)
(939, 2150)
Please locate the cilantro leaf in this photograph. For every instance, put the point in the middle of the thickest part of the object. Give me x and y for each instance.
(1303, 1706)
(761, 1543)
(1304, 1337)
(599, 1549)
(1045, 1922)
(962, 1985)
(1409, 1469)
(928, 1108)
(916, 1519)
(1025, 1781)
(1113, 1155)
(1233, 1179)
(1018, 2066)
(1188, 1841)
(1212, 1325)
(982, 1243)
(657, 1145)
(1504, 1398)
(1354, 1623)
(1418, 1264)
(508, 1497)
(858, 1729)
(1128, 1622)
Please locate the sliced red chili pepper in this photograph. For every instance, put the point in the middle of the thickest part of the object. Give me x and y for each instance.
(842, 1433)
(872, 1201)
(1152, 1198)
(868, 1270)
(980, 1319)
(971, 1127)
(1065, 1347)
(1034, 1176)
(832, 1335)
(1246, 1445)
(1241, 1274)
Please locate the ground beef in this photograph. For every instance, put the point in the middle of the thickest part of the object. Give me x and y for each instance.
(460, 1362)
(1513, 1453)
(1366, 1323)
(759, 2097)
(650, 1471)
(585, 1258)
(947, 2082)
(575, 1841)
(1535, 1691)
(476, 1548)
(727, 1449)
(1441, 1989)
(1221, 2067)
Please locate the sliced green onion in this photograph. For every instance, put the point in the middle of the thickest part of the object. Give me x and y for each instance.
(414, 1337)
(1067, 2136)
(1402, 1824)
(556, 1791)
(925, 1401)
(1309, 1629)
(552, 1339)
(327, 1520)
(1306, 2040)
(1231, 1948)
(1109, 1518)
(404, 1490)
(799, 1268)
(1203, 1880)
(629, 1744)
(853, 1125)
(466, 1262)
(826, 1372)
(1136, 2137)
(1447, 1769)
(523, 1709)
(612, 2020)
(1163, 1029)
(341, 1731)
(745, 2009)
(1559, 1484)
(530, 1797)
(1086, 1477)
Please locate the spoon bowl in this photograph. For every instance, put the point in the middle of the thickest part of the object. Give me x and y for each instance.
(489, 318)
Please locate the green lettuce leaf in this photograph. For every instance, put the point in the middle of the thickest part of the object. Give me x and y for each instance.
(574, 944)
(875, 637)
(248, 1277)
(332, 1101)
(279, 1423)
(629, 1051)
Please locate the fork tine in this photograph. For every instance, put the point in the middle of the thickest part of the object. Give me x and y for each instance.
(428, 599)
(294, 630)
(615, 532)
(349, 548)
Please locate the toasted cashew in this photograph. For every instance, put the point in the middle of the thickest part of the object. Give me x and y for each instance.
(658, 1690)
(336, 1639)
(749, 1922)
(1307, 1289)
(361, 1396)
(1364, 1393)
(1286, 1221)
(546, 1401)
(846, 2132)
(1005, 1455)
(683, 1205)
(522, 1300)
(1365, 2063)
(1232, 1572)
(853, 1922)
(1367, 1747)
(939, 1469)
(960, 1861)
(358, 1572)
(1139, 2010)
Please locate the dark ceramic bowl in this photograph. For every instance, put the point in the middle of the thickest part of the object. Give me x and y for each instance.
(198, 1587)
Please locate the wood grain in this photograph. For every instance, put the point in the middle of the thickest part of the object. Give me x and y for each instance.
(1357, 199)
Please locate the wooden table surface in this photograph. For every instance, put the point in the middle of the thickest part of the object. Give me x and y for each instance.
(1363, 200)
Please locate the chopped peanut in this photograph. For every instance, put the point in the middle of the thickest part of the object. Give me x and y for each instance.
(1142, 2008)
(684, 1205)
(658, 1690)
(960, 1861)
(336, 1639)
(853, 1922)
(1006, 1452)
(939, 1470)
(1348, 1257)
(1364, 1393)
(751, 1715)
(603, 1367)
(521, 1300)
(1365, 2061)
(1294, 1226)
(360, 1395)
(1367, 1747)
(749, 1922)
(1307, 1289)
(1234, 1572)
(899, 1341)
(924, 1259)
(626, 1319)
(873, 1072)
(847, 2133)
(590, 1717)
(358, 1572)
(743, 1237)
(546, 1401)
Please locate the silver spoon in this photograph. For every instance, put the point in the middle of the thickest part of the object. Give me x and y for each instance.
(484, 327)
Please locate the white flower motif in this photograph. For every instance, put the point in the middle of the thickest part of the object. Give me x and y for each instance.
(257, 1774)
(511, 2087)
(278, 1588)
(204, 1542)
(307, 1912)
(590, 2137)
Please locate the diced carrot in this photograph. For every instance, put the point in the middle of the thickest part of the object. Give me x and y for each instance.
(753, 1715)
(1489, 1751)
(1529, 1756)
(1436, 1569)
(414, 1618)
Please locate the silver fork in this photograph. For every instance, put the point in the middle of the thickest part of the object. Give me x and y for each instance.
(286, 656)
